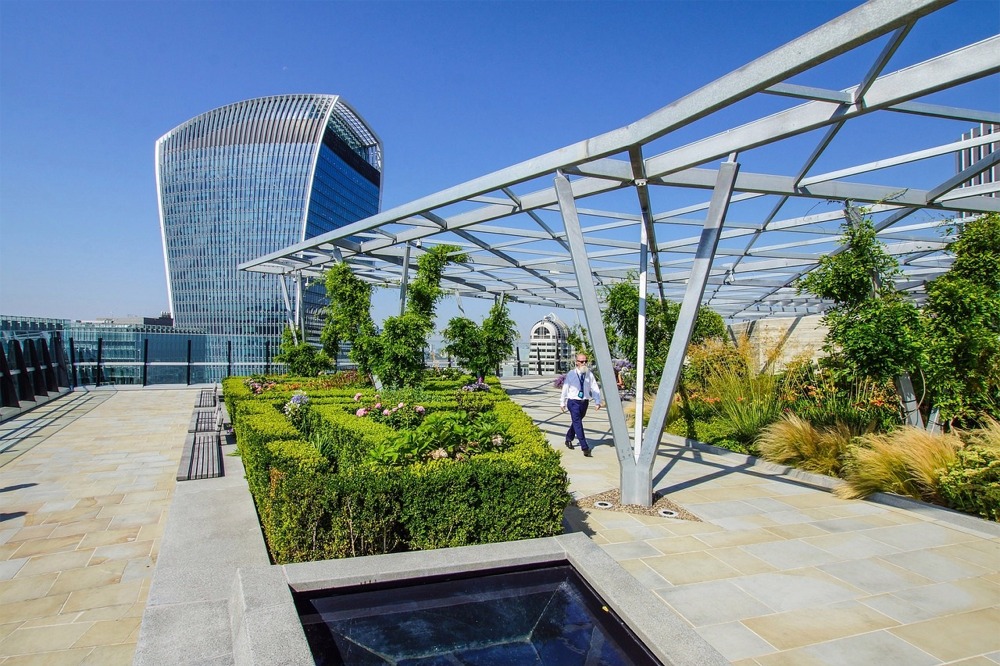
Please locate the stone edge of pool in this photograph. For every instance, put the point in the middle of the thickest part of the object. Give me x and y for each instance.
(267, 629)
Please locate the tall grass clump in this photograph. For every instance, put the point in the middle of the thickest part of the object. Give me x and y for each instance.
(906, 461)
(747, 400)
(987, 437)
(796, 442)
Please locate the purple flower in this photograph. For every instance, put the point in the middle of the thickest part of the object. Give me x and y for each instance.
(420, 409)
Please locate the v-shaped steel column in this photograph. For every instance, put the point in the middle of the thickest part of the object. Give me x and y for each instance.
(636, 472)
(640, 492)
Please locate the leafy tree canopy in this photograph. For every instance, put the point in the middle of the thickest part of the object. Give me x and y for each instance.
(621, 318)
(301, 358)
(482, 348)
(396, 354)
(962, 320)
(873, 331)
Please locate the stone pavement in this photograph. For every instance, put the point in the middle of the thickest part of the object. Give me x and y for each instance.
(778, 571)
(781, 572)
(85, 485)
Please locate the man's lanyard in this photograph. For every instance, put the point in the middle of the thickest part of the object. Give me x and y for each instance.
(582, 376)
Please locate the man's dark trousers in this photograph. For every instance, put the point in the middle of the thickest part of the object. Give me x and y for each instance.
(577, 410)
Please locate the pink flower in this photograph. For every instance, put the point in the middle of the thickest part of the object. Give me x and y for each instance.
(361, 412)
(400, 405)
(420, 409)
(378, 405)
(386, 412)
(357, 397)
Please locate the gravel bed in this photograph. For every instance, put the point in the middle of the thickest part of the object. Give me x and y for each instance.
(660, 503)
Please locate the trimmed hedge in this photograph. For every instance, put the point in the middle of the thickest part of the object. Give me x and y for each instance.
(330, 504)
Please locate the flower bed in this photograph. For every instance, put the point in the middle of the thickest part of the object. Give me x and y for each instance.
(332, 475)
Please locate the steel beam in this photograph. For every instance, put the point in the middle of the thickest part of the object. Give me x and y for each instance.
(682, 334)
(595, 321)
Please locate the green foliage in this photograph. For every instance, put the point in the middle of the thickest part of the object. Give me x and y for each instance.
(578, 338)
(873, 331)
(475, 403)
(425, 290)
(401, 358)
(443, 435)
(349, 317)
(862, 405)
(327, 497)
(622, 316)
(972, 482)
(396, 354)
(301, 358)
(962, 319)
(482, 349)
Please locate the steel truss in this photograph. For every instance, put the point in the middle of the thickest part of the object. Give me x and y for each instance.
(785, 198)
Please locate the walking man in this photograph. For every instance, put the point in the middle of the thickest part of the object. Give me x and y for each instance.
(578, 390)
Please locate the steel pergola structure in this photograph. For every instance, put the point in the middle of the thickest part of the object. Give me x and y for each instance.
(730, 219)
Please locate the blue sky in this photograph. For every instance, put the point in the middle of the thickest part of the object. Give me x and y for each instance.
(454, 90)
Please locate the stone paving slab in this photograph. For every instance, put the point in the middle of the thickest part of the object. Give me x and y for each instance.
(86, 483)
(782, 572)
(778, 572)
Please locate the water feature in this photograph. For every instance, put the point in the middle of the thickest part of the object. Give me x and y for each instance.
(544, 616)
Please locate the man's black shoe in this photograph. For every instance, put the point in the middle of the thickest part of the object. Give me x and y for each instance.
(569, 444)
(586, 453)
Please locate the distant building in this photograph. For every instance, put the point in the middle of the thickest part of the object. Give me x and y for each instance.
(134, 320)
(969, 156)
(247, 179)
(548, 347)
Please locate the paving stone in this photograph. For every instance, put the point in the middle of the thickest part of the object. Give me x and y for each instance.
(713, 602)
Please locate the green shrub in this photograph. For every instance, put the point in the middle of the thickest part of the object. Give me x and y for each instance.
(972, 482)
(345, 438)
(320, 499)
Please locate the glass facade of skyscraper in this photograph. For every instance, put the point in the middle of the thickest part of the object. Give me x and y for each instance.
(248, 179)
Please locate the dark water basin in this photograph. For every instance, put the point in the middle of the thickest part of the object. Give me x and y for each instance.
(546, 616)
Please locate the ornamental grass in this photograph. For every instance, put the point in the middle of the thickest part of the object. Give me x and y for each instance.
(796, 442)
(906, 461)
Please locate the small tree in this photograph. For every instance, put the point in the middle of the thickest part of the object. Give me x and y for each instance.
(396, 354)
(482, 348)
(348, 317)
(301, 358)
(874, 332)
(622, 325)
(962, 319)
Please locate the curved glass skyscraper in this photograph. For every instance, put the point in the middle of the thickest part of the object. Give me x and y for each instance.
(248, 179)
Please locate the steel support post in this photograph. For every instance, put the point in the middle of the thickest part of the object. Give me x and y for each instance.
(595, 323)
(904, 386)
(640, 357)
(288, 309)
(404, 279)
(641, 491)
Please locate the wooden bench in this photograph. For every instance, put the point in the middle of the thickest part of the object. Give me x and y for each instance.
(202, 456)
(206, 398)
